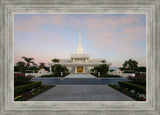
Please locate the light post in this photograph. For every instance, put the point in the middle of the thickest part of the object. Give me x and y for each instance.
(98, 74)
(61, 74)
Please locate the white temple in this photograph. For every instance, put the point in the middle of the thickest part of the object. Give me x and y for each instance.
(79, 62)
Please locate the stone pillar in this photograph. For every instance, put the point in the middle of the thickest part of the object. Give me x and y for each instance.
(50, 68)
(109, 71)
(99, 74)
(84, 69)
(86, 59)
(75, 69)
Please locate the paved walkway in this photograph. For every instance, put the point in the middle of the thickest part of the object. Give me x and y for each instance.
(80, 76)
(81, 93)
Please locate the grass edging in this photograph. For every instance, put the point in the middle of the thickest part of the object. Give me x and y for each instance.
(106, 76)
(123, 93)
(32, 93)
(54, 75)
(22, 88)
(130, 93)
(130, 85)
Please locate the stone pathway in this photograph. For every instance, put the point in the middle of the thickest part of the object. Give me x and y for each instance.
(81, 93)
(81, 87)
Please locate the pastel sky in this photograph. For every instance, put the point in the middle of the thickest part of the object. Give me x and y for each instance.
(115, 37)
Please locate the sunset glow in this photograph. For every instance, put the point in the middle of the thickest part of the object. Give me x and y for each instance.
(116, 37)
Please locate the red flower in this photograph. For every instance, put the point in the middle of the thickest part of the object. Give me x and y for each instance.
(25, 95)
(26, 92)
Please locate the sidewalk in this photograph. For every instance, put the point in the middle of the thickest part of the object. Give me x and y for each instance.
(81, 93)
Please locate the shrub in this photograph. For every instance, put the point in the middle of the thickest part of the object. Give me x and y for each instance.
(109, 75)
(21, 79)
(142, 69)
(22, 88)
(55, 60)
(132, 93)
(139, 79)
(55, 75)
(102, 68)
(105, 75)
(129, 71)
(48, 75)
(57, 69)
(132, 86)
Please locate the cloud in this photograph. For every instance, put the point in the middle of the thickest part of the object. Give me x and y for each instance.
(32, 24)
(53, 38)
(116, 34)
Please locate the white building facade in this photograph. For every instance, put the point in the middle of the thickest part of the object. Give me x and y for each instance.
(79, 62)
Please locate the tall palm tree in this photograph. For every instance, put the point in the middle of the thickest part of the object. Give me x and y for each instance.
(28, 61)
(130, 64)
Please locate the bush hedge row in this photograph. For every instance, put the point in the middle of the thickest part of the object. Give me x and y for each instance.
(105, 75)
(55, 75)
(22, 88)
(109, 75)
(132, 86)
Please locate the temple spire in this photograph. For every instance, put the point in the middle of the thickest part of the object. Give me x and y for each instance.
(79, 49)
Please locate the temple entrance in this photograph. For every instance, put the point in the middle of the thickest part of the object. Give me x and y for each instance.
(80, 69)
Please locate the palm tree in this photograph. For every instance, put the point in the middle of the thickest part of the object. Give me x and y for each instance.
(55, 60)
(28, 62)
(42, 65)
(130, 64)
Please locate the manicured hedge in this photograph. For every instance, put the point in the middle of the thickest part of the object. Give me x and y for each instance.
(48, 75)
(55, 75)
(109, 75)
(21, 79)
(105, 75)
(132, 86)
(22, 88)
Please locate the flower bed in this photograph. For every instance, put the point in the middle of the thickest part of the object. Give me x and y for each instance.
(139, 79)
(131, 93)
(131, 85)
(21, 79)
(21, 88)
(33, 92)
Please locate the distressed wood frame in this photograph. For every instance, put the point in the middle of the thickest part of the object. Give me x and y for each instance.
(10, 7)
